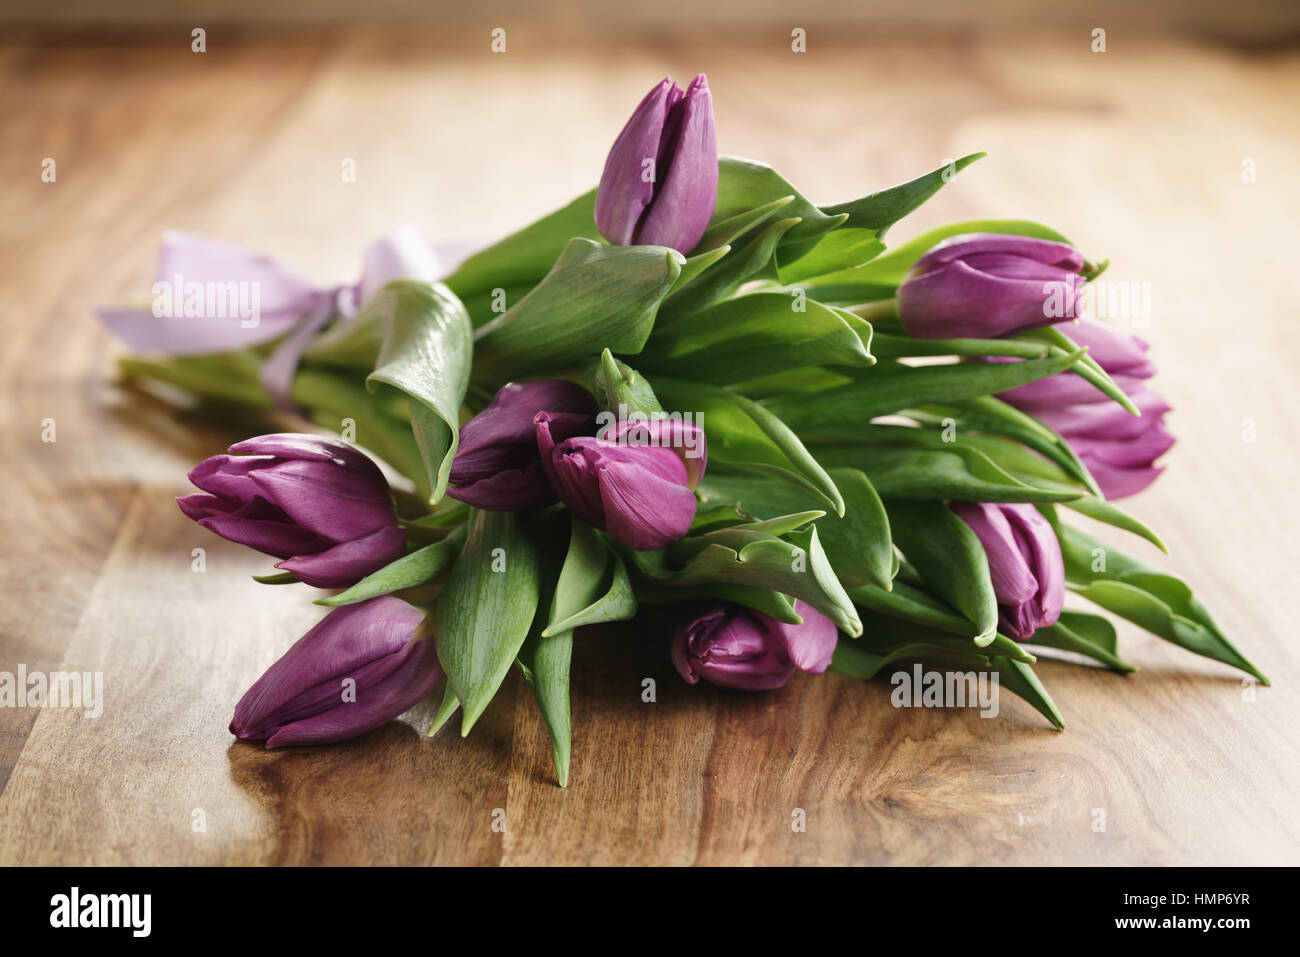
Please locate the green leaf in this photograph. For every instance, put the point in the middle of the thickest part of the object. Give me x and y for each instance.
(595, 297)
(593, 585)
(774, 604)
(545, 662)
(449, 706)
(885, 629)
(757, 335)
(961, 473)
(912, 604)
(742, 432)
(422, 566)
(1100, 510)
(892, 346)
(279, 578)
(858, 544)
(882, 209)
(950, 559)
(1162, 604)
(1088, 368)
(856, 660)
(527, 255)
(723, 231)
(795, 565)
(840, 249)
(617, 385)
(999, 420)
(695, 265)
(426, 355)
(891, 387)
(869, 217)
(752, 260)
(486, 608)
(1083, 634)
(746, 186)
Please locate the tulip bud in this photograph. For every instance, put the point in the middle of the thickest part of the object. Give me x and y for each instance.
(660, 184)
(982, 285)
(359, 668)
(737, 647)
(637, 484)
(1025, 563)
(317, 503)
(497, 465)
(1118, 448)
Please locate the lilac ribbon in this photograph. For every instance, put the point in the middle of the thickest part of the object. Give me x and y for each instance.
(214, 297)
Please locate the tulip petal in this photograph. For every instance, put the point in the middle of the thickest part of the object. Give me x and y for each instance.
(643, 510)
(730, 646)
(510, 490)
(1042, 550)
(309, 675)
(624, 195)
(227, 475)
(809, 646)
(301, 445)
(270, 536)
(334, 503)
(405, 686)
(687, 191)
(348, 562)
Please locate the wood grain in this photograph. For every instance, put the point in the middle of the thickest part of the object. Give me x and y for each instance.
(1136, 154)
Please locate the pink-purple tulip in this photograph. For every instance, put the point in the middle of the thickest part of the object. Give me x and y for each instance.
(982, 285)
(359, 668)
(1119, 449)
(317, 503)
(1025, 563)
(498, 466)
(737, 647)
(637, 483)
(660, 183)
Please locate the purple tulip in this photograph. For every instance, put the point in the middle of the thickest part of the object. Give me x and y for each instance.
(660, 184)
(737, 647)
(317, 503)
(359, 668)
(1118, 448)
(497, 465)
(982, 285)
(1025, 563)
(637, 484)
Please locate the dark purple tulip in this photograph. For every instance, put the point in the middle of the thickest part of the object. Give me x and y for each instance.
(317, 503)
(497, 464)
(1025, 563)
(982, 285)
(359, 668)
(1118, 448)
(737, 647)
(669, 200)
(636, 484)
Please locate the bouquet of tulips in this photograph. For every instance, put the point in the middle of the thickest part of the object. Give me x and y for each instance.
(691, 388)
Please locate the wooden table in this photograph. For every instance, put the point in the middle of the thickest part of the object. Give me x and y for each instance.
(1137, 154)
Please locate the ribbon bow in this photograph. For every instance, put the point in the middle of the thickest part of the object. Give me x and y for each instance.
(214, 297)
